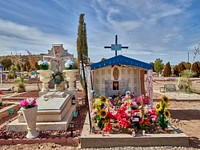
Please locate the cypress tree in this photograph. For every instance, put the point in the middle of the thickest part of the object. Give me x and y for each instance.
(82, 47)
(85, 46)
(167, 70)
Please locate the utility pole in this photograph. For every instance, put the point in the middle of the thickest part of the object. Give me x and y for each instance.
(188, 56)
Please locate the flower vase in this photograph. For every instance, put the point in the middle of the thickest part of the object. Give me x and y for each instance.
(45, 77)
(70, 76)
(30, 115)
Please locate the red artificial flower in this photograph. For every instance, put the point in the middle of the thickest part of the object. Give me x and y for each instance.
(0, 91)
(109, 115)
(124, 123)
(135, 112)
(144, 121)
(121, 113)
(107, 127)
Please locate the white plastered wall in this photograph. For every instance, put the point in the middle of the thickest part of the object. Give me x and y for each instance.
(129, 74)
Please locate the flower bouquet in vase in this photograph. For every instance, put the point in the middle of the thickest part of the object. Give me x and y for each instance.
(44, 65)
(45, 74)
(70, 74)
(29, 111)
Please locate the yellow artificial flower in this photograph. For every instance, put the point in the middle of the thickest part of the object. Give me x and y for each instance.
(108, 103)
(158, 107)
(103, 113)
(167, 114)
(103, 98)
(97, 102)
(165, 100)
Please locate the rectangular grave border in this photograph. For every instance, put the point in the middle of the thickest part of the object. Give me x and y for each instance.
(119, 140)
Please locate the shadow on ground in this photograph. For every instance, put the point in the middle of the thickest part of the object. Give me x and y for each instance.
(186, 114)
(194, 142)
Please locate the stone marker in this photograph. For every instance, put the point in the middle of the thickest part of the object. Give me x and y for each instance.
(170, 87)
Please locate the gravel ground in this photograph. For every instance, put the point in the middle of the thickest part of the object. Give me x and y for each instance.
(142, 148)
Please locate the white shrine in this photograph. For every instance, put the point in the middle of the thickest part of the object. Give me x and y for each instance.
(119, 74)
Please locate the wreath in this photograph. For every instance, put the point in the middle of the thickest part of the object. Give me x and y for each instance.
(57, 77)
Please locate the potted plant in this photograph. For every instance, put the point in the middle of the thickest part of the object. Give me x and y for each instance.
(29, 111)
(70, 74)
(45, 74)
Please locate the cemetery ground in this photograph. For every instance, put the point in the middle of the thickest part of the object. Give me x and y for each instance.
(184, 108)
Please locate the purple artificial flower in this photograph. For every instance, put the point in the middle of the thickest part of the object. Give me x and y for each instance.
(112, 101)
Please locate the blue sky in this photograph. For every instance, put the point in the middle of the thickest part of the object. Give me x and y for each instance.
(165, 29)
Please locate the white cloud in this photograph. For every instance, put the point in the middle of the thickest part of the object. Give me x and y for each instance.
(147, 27)
(17, 37)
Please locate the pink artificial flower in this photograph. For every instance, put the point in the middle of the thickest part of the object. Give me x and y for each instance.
(34, 102)
(154, 118)
(93, 114)
(113, 112)
(152, 112)
(23, 103)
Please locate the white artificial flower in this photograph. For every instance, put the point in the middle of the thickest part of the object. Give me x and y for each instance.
(40, 62)
(67, 65)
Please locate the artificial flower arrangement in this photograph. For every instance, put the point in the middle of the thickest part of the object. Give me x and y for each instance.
(69, 64)
(28, 103)
(101, 114)
(163, 113)
(44, 65)
(57, 77)
(129, 112)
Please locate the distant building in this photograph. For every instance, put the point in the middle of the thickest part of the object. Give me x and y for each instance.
(58, 55)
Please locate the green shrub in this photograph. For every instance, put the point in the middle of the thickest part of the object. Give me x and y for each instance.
(10, 76)
(184, 83)
(20, 85)
(21, 88)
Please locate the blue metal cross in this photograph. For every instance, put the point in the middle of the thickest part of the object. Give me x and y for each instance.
(116, 47)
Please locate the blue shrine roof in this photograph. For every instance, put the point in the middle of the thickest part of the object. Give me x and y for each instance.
(121, 60)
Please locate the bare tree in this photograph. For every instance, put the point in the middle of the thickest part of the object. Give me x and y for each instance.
(196, 52)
